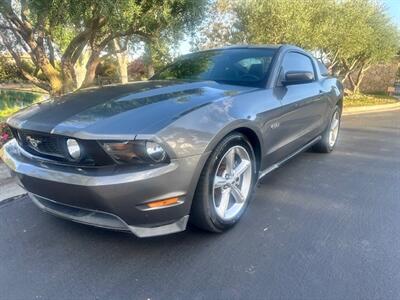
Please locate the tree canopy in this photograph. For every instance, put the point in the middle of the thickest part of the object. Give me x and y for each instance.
(350, 35)
(46, 30)
(58, 44)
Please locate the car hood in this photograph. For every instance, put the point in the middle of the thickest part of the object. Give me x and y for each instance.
(121, 110)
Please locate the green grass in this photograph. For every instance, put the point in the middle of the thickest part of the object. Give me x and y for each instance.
(6, 112)
(368, 100)
(11, 101)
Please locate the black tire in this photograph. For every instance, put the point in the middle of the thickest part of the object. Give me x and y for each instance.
(323, 146)
(203, 214)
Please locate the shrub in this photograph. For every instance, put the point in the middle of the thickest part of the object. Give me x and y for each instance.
(107, 71)
(137, 70)
(5, 134)
(9, 71)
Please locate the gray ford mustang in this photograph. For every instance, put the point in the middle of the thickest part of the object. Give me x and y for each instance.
(187, 145)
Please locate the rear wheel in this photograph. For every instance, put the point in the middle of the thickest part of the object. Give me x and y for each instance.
(331, 133)
(225, 186)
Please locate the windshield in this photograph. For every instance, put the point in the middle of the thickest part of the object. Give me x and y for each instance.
(249, 67)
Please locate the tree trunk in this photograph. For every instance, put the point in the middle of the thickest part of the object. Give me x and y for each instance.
(51, 51)
(149, 59)
(360, 77)
(352, 83)
(95, 59)
(80, 67)
(346, 76)
(91, 67)
(53, 75)
(150, 70)
(122, 58)
(56, 82)
(68, 76)
(358, 84)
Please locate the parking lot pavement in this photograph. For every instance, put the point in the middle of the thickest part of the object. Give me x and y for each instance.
(320, 227)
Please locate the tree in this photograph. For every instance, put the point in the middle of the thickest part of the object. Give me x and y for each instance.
(220, 27)
(63, 29)
(350, 34)
(377, 41)
(121, 51)
(8, 70)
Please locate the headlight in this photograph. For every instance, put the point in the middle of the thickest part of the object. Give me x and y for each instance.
(155, 152)
(135, 151)
(74, 150)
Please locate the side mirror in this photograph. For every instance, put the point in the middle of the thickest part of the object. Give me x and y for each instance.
(298, 77)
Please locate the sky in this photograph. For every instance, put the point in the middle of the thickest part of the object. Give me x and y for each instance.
(392, 8)
(184, 46)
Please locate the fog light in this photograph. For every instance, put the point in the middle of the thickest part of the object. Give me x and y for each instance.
(74, 150)
(155, 151)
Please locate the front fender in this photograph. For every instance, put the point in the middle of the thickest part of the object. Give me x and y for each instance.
(237, 125)
(201, 130)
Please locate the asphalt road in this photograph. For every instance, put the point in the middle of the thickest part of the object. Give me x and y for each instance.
(320, 227)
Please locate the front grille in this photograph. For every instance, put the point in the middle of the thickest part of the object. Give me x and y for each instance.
(44, 144)
(54, 147)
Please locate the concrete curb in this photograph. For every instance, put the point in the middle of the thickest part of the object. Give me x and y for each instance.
(8, 186)
(8, 200)
(370, 109)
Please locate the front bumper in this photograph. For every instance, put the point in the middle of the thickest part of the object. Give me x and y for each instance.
(95, 196)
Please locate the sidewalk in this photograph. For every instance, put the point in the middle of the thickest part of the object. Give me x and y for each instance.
(8, 187)
(368, 109)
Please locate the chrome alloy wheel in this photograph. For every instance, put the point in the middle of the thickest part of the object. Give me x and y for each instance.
(232, 183)
(334, 130)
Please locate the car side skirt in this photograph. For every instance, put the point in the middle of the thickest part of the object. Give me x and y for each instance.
(275, 166)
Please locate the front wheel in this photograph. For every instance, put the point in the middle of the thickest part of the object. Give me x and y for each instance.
(226, 185)
(331, 133)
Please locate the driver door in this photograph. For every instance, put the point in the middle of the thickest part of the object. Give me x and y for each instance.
(302, 105)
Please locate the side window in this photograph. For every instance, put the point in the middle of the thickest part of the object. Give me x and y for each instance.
(294, 61)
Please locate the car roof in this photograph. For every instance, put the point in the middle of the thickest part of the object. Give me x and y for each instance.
(257, 46)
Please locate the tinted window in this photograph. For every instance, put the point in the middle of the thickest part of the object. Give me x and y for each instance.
(232, 66)
(297, 62)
